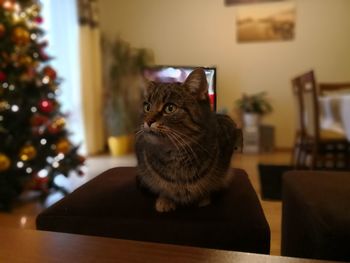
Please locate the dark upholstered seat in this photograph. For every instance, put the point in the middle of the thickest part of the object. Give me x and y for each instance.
(316, 215)
(111, 205)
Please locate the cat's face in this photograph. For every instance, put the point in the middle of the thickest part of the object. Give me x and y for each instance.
(175, 111)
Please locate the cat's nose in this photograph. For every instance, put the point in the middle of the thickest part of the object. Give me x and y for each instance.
(150, 123)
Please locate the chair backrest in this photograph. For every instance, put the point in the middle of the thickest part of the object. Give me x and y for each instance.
(309, 116)
(298, 102)
(325, 88)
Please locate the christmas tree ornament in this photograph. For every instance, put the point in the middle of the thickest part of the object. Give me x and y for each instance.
(5, 162)
(27, 153)
(62, 146)
(38, 120)
(25, 61)
(57, 125)
(39, 19)
(50, 72)
(4, 105)
(20, 36)
(8, 5)
(60, 122)
(2, 76)
(46, 105)
(2, 29)
(40, 182)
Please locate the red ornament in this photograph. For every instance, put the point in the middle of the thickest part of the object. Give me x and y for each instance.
(39, 120)
(43, 55)
(53, 129)
(2, 76)
(46, 105)
(40, 183)
(39, 19)
(50, 72)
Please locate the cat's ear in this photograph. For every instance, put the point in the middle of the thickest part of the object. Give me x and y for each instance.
(197, 84)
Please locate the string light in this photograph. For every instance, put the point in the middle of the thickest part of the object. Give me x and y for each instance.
(43, 173)
(11, 87)
(20, 164)
(29, 170)
(1, 118)
(33, 36)
(7, 5)
(33, 109)
(14, 108)
(46, 80)
(43, 141)
(5, 85)
(55, 164)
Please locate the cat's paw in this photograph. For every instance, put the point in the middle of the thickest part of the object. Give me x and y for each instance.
(204, 202)
(165, 205)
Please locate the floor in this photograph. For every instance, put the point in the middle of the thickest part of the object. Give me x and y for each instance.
(29, 205)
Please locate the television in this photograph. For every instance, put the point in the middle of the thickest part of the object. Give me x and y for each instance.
(172, 74)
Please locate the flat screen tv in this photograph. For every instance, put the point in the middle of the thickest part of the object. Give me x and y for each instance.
(179, 74)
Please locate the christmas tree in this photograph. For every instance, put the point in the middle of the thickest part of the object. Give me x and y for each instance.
(34, 143)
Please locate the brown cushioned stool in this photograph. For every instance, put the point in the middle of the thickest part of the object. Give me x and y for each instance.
(316, 215)
(111, 205)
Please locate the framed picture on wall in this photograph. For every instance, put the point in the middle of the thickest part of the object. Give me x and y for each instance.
(238, 2)
(268, 22)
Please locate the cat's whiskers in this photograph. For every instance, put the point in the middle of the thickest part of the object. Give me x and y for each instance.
(181, 145)
(191, 140)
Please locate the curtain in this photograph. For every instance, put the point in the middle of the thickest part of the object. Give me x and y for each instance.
(91, 76)
(63, 38)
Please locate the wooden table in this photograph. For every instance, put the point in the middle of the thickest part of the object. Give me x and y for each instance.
(40, 246)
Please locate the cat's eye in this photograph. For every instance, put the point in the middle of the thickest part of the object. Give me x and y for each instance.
(170, 108)
(146, 107)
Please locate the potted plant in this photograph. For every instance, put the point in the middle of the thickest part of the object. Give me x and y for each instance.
(125, 66)
(253, 107)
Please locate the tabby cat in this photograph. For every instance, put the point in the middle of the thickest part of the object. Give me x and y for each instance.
(183, 148)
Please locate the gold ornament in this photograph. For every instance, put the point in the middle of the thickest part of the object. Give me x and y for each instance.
(2, 30)
(60, 122)
(20, 36)
(25, 60)
(5, 162)
(62, 146)
(27, 153)
(4, 105)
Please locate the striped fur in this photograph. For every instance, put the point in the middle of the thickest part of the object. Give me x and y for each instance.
(183, 155)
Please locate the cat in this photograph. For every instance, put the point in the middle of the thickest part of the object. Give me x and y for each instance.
(183, 148)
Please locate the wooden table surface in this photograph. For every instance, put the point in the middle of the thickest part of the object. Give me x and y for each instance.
(39, 246)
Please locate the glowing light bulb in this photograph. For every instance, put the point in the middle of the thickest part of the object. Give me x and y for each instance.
(14, 108)
(46, 80)
(43, 173)
(20, 164)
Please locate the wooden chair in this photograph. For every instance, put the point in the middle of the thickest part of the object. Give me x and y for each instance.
(297, 150)
(325, 88)
(316, 147)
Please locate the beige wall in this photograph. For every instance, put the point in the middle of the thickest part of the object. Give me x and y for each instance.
(202, 32)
